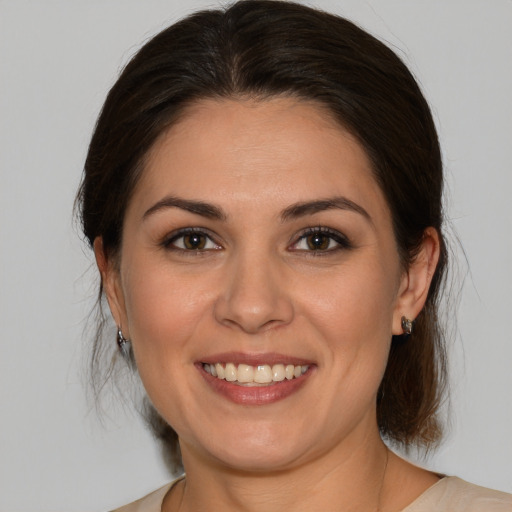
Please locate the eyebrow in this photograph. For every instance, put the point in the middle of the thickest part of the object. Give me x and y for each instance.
(310, 207)
(207, 210)
(293, 211)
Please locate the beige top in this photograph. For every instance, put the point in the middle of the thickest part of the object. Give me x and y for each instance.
(450, 494)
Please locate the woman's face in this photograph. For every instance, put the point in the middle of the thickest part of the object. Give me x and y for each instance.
(257, 244)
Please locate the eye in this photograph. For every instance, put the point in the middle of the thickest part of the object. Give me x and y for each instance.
(321, 240)
(191, 240)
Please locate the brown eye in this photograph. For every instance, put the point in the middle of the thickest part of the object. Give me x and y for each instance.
(194, 241)
(318, 242)
(321, 240)
(191, 240)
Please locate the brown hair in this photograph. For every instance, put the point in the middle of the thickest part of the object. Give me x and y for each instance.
(264, 48)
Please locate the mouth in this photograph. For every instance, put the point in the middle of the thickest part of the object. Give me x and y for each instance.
(255, 379)
(259, 375)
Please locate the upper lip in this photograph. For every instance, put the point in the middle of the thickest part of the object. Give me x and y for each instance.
(254, 359)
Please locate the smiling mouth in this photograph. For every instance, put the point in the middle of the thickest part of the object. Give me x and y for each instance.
(259, 375)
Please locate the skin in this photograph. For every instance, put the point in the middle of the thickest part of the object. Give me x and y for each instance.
(258, 287)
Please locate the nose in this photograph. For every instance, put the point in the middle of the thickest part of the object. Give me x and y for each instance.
(254, 296)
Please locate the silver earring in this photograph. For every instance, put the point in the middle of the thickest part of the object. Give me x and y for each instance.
(123, 343)
(407, 326)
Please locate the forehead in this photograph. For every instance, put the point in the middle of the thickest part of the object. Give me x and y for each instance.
(281, 150)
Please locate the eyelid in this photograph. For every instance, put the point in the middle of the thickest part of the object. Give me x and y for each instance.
(341, 239)
(170, 238)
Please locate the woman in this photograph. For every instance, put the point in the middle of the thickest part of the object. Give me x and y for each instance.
(263, 195)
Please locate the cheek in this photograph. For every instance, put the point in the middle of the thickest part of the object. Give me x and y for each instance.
(166, 314)
(164, 310)
(358, 299)
(351, 312)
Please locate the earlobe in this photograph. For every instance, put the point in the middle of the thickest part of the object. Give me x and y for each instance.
(416, 281)
(111, 284)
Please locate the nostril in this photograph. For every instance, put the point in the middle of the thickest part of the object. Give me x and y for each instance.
(254, 297)
(254, 325)
(247, 315)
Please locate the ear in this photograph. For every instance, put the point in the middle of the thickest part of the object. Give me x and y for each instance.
(111, 282)
(415, 282)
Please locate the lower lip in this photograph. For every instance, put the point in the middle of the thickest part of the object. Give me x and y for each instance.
(255, 395)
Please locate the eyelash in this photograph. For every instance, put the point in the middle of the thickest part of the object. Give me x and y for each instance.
(343, 243)
(170, 241)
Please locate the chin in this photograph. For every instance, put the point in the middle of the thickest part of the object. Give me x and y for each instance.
(260, 450)
(263, 460)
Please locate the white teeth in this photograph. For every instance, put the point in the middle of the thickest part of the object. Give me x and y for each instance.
(245, 373)
(220, 370)
(261, 374)
(278, 372)
(230, 373)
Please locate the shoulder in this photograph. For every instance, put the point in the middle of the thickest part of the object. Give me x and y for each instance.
(150, 503)
(451, 494)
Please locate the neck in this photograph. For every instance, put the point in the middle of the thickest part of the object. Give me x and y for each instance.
(352, 480)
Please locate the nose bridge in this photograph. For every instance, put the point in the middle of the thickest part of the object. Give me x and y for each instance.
(254, 296)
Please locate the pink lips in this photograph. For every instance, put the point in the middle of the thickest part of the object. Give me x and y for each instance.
(256, 395)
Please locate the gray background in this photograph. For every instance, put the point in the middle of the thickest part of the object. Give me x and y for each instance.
(57, 61)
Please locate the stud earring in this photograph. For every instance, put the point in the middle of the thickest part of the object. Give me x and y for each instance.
(407, 326)
(123, 344)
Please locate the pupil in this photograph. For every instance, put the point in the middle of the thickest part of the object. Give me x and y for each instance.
(194, 241)
(318, 241)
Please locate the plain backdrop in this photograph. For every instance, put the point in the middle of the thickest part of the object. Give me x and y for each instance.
(58, 58)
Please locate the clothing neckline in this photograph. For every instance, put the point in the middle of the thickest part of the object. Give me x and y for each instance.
(443, 480)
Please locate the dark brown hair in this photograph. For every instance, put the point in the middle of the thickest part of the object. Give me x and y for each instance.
(264, 48)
